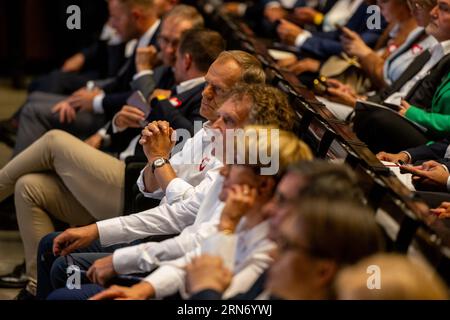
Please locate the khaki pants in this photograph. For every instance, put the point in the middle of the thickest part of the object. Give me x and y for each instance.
(61, 176)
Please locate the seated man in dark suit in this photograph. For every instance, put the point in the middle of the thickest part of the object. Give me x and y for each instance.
(88, 108)
(322, 45)
(149, 76)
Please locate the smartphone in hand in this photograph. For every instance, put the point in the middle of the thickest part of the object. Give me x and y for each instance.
(138, 100)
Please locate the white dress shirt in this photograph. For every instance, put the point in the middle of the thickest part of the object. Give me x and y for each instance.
(144, 40)
(182, 87)
(397, 62)
(196, 218)
(191, 166)
(438, 51)
(246, 253)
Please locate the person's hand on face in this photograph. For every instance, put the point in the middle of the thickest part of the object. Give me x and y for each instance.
(129, 117)
(101, 271)
(157, 140)
(146, 58)
(240, 199)
(66, 113)
(431, 175)
(74, 238)
(288, 32)
(443, 211)
(140, 291)
(83, 99)
(207, 273)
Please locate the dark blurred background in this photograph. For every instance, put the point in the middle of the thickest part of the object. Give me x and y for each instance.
(34, 37)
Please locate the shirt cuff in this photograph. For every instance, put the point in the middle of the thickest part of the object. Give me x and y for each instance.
(157, 194)
(109, 231)
(448, 183)
(166, 280)
(126, 260)
(98, 103)
(178, 189)
(409, 156)
(142, 73)
(302, 37)
(116, 129)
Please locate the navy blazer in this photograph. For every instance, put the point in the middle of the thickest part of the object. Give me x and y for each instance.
(323, 45)
(118, 90)
(181, 110)
(434, 151)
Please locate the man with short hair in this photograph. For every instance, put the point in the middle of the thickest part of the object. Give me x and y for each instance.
(86, 110)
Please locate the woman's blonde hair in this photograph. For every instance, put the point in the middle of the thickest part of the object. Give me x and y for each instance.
(265, 146)
(401, 278)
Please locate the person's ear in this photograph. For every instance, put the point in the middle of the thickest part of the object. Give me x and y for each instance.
(326, 272)
(266, 186)
(187, 61)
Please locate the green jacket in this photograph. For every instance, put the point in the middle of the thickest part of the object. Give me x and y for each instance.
(438, 119)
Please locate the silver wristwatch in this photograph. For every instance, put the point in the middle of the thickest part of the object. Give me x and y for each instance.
(158, 163)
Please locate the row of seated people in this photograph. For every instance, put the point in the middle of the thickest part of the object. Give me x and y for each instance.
(212, 204)
(403, 78)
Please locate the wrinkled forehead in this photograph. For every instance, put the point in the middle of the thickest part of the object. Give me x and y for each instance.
(224, 71)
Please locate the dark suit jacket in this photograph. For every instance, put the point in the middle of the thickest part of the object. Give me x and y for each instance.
(322, 45)
(162, 78)
(434, 151)
(181, 110)
(118, 90)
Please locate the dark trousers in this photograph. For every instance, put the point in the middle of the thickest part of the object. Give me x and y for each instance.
(52, 271)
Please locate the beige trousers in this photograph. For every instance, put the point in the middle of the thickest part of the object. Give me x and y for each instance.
(61, 176)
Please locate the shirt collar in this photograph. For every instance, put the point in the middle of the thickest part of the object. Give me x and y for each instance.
(144, 41)
(446, 46)
(189, 84)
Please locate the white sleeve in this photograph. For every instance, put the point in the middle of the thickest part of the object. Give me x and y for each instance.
(97, 103)
(157, 194)
(302, 37)
(163, 220)
(145, 257)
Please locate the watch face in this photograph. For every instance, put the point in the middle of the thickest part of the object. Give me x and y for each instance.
(159, 162)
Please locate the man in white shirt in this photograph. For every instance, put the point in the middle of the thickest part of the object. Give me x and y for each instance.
(188, 215)
(246, 189)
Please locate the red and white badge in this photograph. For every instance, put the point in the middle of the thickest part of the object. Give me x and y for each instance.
(203, 164)
(175, 102)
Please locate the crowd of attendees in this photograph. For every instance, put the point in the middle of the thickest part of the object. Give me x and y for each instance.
(233, 204)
